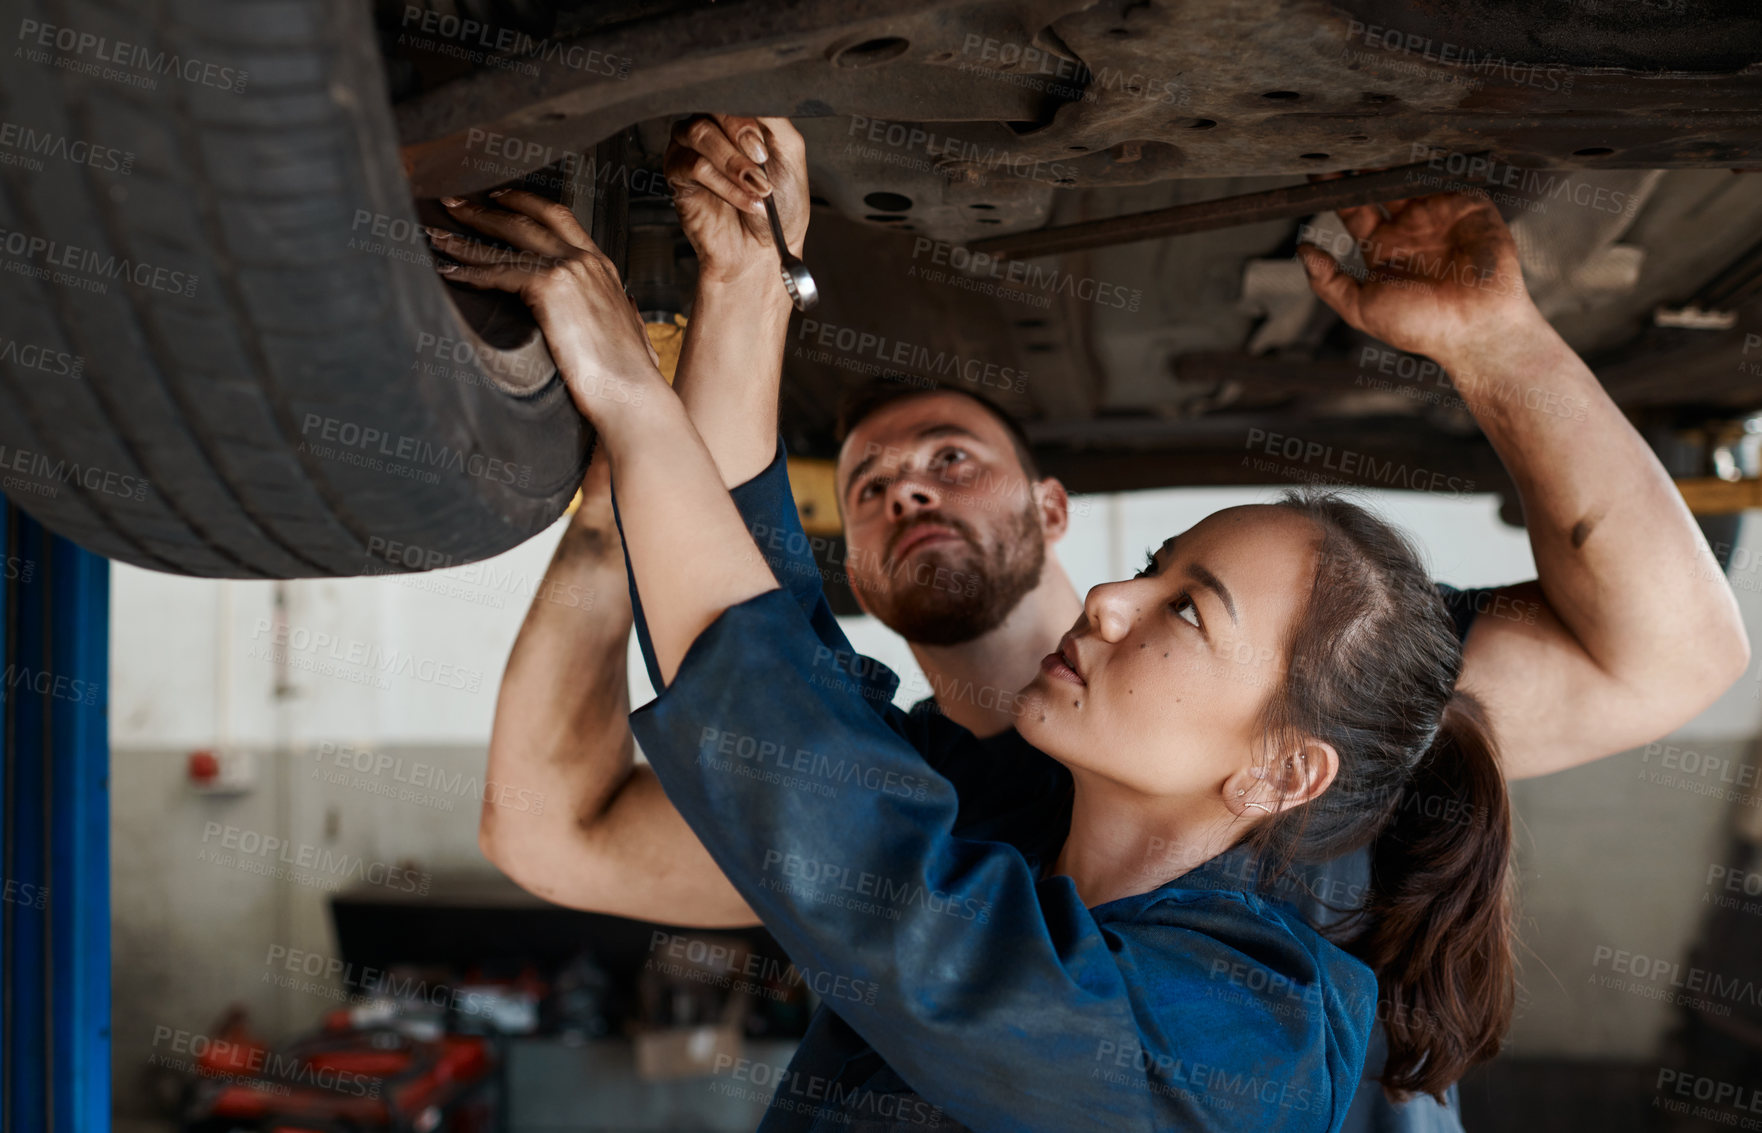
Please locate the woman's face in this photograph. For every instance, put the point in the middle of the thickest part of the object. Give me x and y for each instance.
(1164, 677)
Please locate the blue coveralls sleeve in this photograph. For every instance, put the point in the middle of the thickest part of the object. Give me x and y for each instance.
(994, 994)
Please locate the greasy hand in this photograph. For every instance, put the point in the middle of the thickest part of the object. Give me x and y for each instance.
(593, 329)
(719, 191)
(1443, 274)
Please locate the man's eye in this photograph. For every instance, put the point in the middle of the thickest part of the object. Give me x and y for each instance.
(867, 491)
(1183, 607)
(950, 455)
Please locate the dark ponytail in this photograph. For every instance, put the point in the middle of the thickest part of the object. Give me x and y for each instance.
(1436, 927)
(1371, 670)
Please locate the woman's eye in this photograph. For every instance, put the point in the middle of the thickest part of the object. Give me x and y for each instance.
(1185, 609)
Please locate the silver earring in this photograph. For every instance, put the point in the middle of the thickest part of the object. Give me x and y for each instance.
(1262, 806)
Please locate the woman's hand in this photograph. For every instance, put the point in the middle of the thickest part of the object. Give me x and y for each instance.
(719, 191)
(1443, 275)
(593, 329)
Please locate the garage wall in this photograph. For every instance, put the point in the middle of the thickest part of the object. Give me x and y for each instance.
(195, 666)
(407, 670)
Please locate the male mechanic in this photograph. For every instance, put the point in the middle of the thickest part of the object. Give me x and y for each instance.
(1624, 635)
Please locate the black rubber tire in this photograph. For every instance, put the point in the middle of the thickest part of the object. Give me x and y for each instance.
(299, 413)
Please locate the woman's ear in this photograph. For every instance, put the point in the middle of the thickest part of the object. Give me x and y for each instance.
(1304, 774)
(1054, 506)
(1258, 790)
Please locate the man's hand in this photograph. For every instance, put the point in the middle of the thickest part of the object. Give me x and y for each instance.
(1443, 275)
(594, 331)
(719, 191)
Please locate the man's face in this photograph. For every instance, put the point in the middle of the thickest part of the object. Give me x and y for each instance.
(944, 530)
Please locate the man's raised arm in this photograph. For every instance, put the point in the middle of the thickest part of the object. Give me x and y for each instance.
(608, 839)
(567, 813)
(1630, 629)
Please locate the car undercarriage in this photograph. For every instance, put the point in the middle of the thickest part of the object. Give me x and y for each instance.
(1619, 140)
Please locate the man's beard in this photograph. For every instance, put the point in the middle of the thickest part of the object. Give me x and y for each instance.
(953, 599)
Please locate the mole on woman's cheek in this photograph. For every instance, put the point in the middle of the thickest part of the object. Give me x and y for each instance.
(1076, 704)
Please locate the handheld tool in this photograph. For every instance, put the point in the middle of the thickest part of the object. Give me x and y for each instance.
(797, 279)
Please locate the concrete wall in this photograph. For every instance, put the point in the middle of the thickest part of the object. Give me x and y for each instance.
(408, 669)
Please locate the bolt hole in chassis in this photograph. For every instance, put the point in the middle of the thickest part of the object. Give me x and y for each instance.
(1086, 212)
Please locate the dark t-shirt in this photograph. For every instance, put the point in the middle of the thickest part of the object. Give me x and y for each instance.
(1011, 791)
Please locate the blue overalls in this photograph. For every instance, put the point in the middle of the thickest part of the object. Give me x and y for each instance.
(877, 849)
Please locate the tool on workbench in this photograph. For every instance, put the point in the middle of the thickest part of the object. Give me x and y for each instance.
(797, 279)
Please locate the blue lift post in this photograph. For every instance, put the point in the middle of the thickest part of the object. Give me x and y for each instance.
(54, 832)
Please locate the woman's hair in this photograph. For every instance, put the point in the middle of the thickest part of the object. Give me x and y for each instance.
(1372, 670)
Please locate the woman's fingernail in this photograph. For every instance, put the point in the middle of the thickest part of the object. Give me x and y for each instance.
(452, 202)
(446, 269)
(755, 149)
(436, 233)
(757, 208)
(497, 192)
